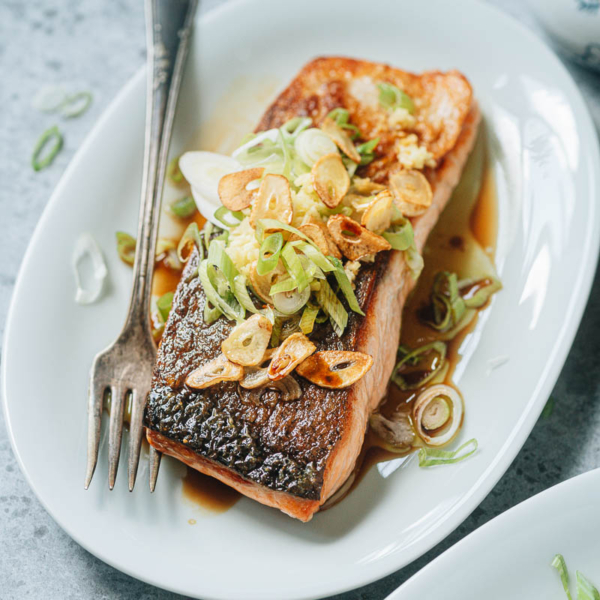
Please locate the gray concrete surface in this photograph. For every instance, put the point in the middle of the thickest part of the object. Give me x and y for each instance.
(101, 44)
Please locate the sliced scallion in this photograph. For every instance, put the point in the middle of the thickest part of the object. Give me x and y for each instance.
(211, 313)
(232, 309)
(315, 255)
(240, 291)
(585, 590)
(51, 139)
(218, 258)
(332, 307)
(269, 253)
(285, 285)
(392, 97)
(366, 151)
(400, 235)
(341, 117)
(307, 321)
(173, 171)
(293, 266)
(190, 238)
(126, 247)
(558, 562)
(183, 207)
(163, 305)
(477, 293)
(408, 375)
(228, 218)
(429, 457)
(76, 105)
(345, 285)
(206, 233)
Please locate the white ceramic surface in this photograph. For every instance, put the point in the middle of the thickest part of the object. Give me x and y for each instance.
(574, 25)
(545, 158)
(510, 556)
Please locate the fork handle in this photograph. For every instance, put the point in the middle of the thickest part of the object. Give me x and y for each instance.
(168, 28)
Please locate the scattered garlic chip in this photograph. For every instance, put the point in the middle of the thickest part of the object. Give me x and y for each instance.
(89, 278)
(341, 139)
(288, 389)
(254, 377)
(261, 284)
(330, 179)
(289, 355)
(335, 369)
(438, 414)
(273, 201)
(412, 192)
(233, 190)
(317, 232)
(248, 341)
(378, 214)
(354, 240)
(213, 372)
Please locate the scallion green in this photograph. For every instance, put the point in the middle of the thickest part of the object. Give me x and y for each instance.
(227, 217)
(51, 139)
(392, 97)
(400, 235)
(293, 266)
(558, 562)
(332, 307)
(414, 378)
(345, 285)
(307, 321)
(163, 305)
(269, 253)
(126, 247)
(429, 457)
(183, 208)
(173, 171)
(190, 238)
(76, 105)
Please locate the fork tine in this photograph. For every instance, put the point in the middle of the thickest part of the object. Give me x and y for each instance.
(95, 405)
(154, 460)
(136, 431)
(115, 432)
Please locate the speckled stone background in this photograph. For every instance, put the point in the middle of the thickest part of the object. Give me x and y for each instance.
(100, 43)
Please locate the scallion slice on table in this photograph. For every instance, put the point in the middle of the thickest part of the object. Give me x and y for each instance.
(46, 148)
(76, 104)
(429, 457)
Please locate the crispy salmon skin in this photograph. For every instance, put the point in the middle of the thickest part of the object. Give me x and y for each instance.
(295, 455)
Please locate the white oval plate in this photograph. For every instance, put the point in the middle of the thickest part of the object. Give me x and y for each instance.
(510, 556)
(545, 159)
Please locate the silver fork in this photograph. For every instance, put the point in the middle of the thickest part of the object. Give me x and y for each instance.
(126, 366)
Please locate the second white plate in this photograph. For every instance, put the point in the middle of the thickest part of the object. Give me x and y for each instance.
(510, 556)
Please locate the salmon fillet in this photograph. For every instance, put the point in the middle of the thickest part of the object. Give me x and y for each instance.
(295, 455)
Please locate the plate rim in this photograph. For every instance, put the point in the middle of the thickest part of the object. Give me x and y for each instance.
(514, 512)
(513, 445)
